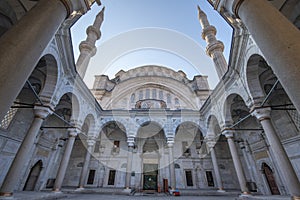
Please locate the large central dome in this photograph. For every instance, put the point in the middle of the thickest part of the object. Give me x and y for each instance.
(151, 87)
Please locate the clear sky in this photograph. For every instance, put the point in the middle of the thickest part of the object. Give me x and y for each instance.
(160, 32)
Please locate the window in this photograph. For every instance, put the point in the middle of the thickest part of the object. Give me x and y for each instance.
(111, 177)
(295, 116)
(132, 98)
(8, 118)
(189, 178)
(147, 93)
(168, 98)
(161, 95)
(91, 177)
(116, 147)
(116, 143)
(210, 179)
(141, 95)
(176, 101)
(154, 94)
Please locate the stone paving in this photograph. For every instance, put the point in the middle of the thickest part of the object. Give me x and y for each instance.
(68, 195)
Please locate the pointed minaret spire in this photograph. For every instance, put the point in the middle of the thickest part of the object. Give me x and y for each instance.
(214, 47)
(87, 48)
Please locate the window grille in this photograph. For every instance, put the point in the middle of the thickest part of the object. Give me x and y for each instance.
(8, 118)
(295, 116)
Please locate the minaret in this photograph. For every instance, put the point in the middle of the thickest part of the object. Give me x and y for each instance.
(87, 48)
(214, 47)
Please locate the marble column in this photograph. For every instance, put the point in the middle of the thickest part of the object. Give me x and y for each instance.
(236, 162)
(211, 146)
(130, 141)
(22, 46)
(171, 164)
(281, 47)
(280, 155)
(84, 171)
(23, 155)
(65, 161)
(129, 167)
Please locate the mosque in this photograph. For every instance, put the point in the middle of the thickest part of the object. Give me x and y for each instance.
(150, 128)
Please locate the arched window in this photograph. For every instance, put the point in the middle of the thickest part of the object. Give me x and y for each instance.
(141, 95)
(132, 98)
(176, 101)
(168, 98)
(147, 94)
(161, 95)
(154, 94)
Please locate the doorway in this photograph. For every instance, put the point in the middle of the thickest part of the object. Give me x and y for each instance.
(267, 171)
(33, 176)
(150, 177)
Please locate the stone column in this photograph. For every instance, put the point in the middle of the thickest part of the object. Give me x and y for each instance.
(171, 163)
(84, 171)
(280, 156)
(23, 155)
(211, 146)
(281, 47)
(22, 46)
(249, 160)
(236, 162)
(65, 161)
(130, 142)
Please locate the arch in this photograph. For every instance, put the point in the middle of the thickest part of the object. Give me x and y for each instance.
(159, 122)
(213, 127)
(188, 134)
(120, 123)
(72, 100)
(255, 66)
(154, 126)
(33, 176)
(234, 108)
(184, 119)
(89, 121)
(52, 74)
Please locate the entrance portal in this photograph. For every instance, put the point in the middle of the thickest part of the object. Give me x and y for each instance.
(150, 177)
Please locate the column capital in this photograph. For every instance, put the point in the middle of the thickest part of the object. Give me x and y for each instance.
(228, 133)
(81, 6)
(231, 6)
(73, 132)
(211, 143)
(90, 142)
(42, 111)
(130, 141)
(170, 142)
(262, 113)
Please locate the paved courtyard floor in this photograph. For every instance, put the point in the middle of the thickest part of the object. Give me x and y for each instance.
(150, 197)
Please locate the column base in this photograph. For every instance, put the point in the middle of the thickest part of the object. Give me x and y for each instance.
(221, 190)
(6, 195)
(127, 190)
(246, 194)
(57, 190)
(80, 188)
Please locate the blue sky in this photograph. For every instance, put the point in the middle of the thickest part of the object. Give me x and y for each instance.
(161, 32)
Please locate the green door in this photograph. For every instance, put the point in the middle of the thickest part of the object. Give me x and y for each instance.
(150, 182)
(150, 176)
